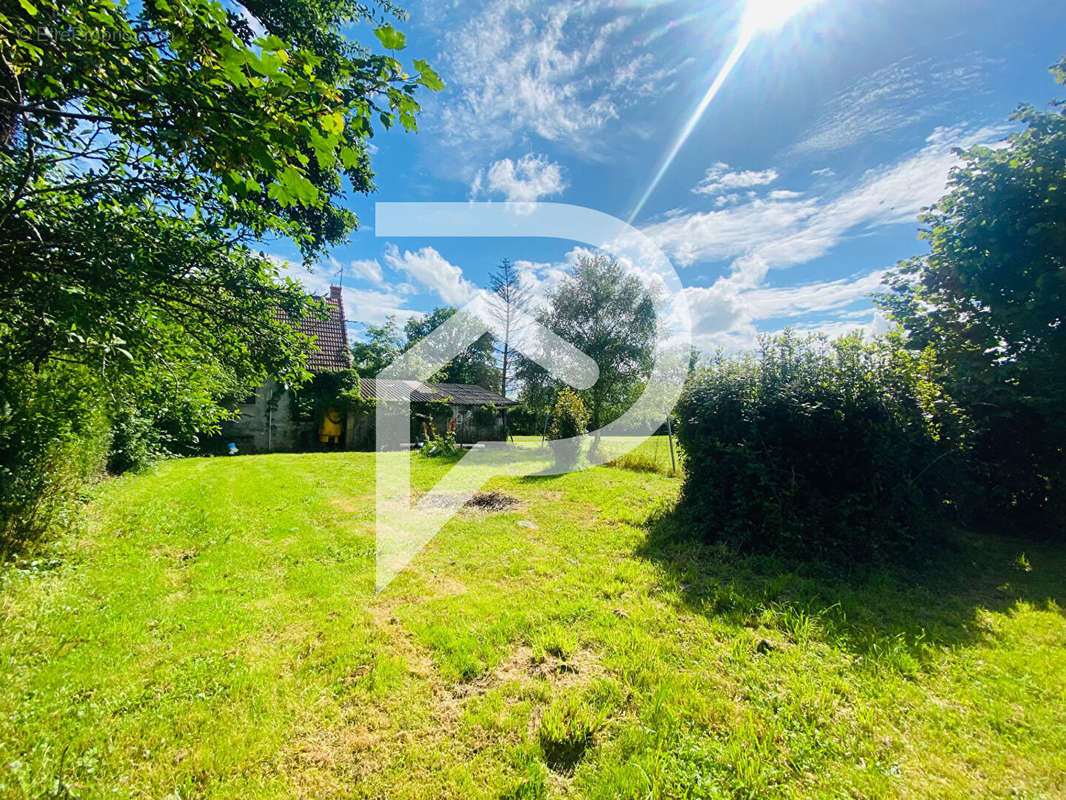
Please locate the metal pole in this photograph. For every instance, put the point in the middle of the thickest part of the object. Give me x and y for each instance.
(670, 437)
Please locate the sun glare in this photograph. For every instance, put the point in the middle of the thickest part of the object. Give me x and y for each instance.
(763, 15)
(759, 16)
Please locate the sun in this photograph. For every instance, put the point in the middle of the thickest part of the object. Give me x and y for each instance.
(762, 15)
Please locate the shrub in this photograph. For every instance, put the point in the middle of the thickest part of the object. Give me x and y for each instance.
(438, 445)
(53, 438)
(569, 418)
(818, 449)
(137, 441)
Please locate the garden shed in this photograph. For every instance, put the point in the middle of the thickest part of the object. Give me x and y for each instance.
(477, 413)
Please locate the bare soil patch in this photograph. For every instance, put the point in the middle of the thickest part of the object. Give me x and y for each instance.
(492, 501)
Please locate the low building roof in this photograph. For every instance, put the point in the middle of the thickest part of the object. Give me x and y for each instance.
(457, 394)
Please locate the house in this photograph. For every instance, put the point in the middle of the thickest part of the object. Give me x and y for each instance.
(272, 420)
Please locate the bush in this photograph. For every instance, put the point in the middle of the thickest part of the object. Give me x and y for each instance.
(136, 442)
(53, 438)
(438, 445)
(818, 449)
(569, 418)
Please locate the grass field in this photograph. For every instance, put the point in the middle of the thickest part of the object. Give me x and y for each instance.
(214, 633)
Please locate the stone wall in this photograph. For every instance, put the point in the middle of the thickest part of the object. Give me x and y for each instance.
(266, 424)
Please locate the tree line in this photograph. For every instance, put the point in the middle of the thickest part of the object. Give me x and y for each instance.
(599, 307)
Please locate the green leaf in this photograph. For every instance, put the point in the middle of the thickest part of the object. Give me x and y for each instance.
(390, 38)
(332, 123)
(267, 66)
(430, 79)
(31, 9)
(272, 43)
(349, 157)
(277, 192)
(324, 147)
(296, 185)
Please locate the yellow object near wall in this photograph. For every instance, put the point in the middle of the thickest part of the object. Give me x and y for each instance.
(330, 431)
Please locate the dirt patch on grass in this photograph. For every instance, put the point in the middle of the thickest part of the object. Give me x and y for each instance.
(328, 746)
(488, 502)
(491, 501)
(524, 664)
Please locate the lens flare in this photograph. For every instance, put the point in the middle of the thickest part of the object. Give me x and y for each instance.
(767, 15)
(689, 126)
(759, 15)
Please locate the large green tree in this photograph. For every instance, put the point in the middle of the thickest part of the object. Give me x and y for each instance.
(609, 315)
(145, 151)
(475, 366)
(990, 299)
(146, 147)
(379, 346)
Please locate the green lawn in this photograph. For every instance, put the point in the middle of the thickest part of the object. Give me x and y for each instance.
(214, 633)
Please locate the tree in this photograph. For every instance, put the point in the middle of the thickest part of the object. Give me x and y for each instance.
(569, 419)
(989, 298)
(381, 345)
(144, 149)
(536, 395)
(509, 299)
(475, 366)
(609, 316)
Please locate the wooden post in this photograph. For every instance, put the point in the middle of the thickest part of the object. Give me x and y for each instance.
(670, 436)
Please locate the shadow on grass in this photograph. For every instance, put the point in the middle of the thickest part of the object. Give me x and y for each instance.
(880, 612)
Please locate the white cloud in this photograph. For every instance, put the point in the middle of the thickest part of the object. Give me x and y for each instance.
(432, 270)
(796, 301)
(360, 305)
(730, 313)
(526, 180)
(891, 98)
(257, 27)
(314, 278)
(721, 180)
(784, 229)
(560, 72)
(366, 268)
(374, 307)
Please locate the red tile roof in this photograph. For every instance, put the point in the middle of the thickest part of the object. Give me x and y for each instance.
(330, 351)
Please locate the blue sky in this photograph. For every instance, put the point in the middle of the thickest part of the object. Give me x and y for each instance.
(798, 186)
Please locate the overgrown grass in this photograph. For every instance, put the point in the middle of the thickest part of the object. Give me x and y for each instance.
(215, 634)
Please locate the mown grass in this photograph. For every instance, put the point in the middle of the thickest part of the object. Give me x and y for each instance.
(652, 455)
(215, 633)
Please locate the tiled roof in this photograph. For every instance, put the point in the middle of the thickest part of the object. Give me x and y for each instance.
(330, 351)
(458, 394)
